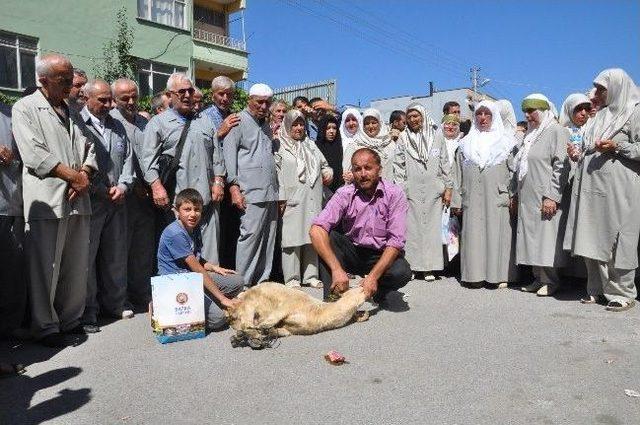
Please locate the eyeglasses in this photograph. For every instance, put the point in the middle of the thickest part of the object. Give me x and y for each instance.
(182, 92)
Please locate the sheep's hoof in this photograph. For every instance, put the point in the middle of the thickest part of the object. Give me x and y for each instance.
(361, 316)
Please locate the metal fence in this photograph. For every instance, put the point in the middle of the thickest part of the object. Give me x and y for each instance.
(221, 40)
(326, 90)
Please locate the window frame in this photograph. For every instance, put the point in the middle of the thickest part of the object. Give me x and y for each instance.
(147, 67)
(20, 48)
(185, 25)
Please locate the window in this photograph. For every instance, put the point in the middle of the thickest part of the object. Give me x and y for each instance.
(17, 61)
(208, 16)
(166, 12)
(153, 76)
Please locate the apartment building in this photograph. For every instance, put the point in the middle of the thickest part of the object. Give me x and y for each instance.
(192, 36)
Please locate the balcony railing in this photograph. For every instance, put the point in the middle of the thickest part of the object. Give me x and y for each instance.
(220, 40)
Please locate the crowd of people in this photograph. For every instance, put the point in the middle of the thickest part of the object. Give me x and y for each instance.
(96, 197)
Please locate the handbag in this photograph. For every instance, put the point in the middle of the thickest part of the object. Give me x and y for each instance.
(168, 165)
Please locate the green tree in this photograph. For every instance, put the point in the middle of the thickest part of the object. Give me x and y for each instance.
(117, 61)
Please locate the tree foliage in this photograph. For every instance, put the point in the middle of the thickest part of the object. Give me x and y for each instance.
(117, 61)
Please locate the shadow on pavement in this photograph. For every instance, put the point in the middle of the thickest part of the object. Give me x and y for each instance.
(16, 394)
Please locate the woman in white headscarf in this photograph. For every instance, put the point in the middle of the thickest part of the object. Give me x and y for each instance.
(373, 134)
(302, 170)
(421, 167)
(350, 124)
(542, 174)
(482, 178)
(604, 223)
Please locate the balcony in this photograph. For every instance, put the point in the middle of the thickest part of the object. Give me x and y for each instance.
(218, 39)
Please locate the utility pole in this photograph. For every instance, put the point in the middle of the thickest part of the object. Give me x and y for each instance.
(474, 77)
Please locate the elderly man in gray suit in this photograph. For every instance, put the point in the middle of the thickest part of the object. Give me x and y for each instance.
(251, 174)
(107, 282)
(140, 210)
(200, 167)
(58, 162)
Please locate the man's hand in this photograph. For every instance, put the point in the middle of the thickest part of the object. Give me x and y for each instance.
(80, 182)
(217, 192)
(606, 146)
(549, 208)
(347, 176)
(323, 105)
(231, 121)
(446, 197)
(237, 199)
(217, 269)
(227, 303)
(159, 194)
(339, 281)
(6, 155)
(327, 179)
(116, 194)
(370, 286)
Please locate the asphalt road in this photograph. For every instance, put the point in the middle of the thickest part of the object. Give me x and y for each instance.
(450, 355)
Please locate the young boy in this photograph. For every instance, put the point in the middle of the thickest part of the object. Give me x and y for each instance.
(179, 252)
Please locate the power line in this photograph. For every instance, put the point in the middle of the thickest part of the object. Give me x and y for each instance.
(410, 38)
(384, 42)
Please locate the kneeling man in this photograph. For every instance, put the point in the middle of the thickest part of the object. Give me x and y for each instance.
(372, 213)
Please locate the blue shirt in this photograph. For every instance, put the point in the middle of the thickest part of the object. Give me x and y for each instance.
(216, 115)
(176, 244)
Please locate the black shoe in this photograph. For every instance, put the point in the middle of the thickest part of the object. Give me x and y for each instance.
(56, 340)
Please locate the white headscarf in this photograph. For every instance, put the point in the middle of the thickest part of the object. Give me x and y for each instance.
(553, 109)
(487, 148)
(419, 144)
(545, 118)
(508, 116)
(569, 105)
(306, 163)
(345, 135)
(380, 141)
(622, 98)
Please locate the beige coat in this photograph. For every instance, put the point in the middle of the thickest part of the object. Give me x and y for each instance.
(44, 142)
(604, 218)
(539, 240)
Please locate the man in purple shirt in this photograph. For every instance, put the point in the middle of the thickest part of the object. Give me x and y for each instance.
(372, 213)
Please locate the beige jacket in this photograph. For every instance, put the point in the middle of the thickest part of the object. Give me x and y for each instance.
(44, 142)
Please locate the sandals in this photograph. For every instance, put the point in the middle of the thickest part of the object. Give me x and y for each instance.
(8, 370)
(618, 306)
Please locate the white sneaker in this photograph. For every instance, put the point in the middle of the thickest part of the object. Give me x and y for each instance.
(502, 285)
(127, 314)
(429, 277)
(547, 290)
(315, 283)
(293, 283)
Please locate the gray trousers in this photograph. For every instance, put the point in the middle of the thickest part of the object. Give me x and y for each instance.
(230, 285)
(300, 261)
(57, 256)
(141, 252)
(107, 281)
(604, 279)
(210, 231)
(546, 275)
(13, 284)
(257, 239)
